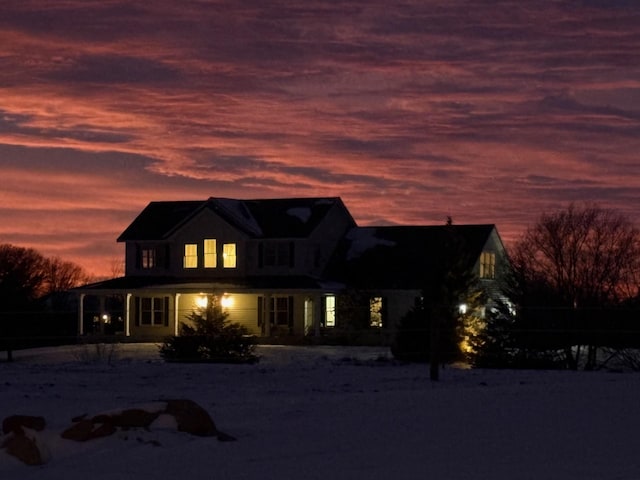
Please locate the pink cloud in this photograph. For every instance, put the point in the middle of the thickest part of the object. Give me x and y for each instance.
(488, 112)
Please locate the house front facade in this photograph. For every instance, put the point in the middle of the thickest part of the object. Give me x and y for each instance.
(290, 267)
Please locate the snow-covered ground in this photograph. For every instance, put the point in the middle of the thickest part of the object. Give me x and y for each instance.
(327, 413)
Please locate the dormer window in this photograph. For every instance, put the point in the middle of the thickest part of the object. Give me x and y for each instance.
(487, 265)
(229, 255)
(148, 258)
(191, 255)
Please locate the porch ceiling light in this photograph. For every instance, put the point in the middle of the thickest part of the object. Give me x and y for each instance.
(202, 301)
(226, 301)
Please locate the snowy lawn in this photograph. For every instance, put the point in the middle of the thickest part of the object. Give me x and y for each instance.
(327, 413)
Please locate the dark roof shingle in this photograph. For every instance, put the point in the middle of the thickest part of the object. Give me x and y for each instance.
(403, 256)
(266, 218)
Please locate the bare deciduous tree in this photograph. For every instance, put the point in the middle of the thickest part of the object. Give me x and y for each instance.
(116, 267)
(22, 273)
(588, 255)
(584, 258)
(25, 277)
(61, 275)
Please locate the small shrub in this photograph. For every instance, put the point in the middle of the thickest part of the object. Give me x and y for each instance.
(95, 353)
(411, 343)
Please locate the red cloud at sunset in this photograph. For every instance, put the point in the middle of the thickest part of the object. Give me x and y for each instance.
(482, 111)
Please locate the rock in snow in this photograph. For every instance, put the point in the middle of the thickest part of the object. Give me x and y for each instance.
(21, 439)
(186, 416)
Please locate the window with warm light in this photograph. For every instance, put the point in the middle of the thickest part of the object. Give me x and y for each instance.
(210, 255)
(330, 311)
(191, 255)
(229, 255)
(375, 312)
(487, 265)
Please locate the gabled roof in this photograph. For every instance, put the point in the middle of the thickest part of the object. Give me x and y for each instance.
(265, 218)
(403, 256)
(159, 219)
(291, 217)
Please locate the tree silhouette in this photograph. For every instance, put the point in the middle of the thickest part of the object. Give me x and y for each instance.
(574, 262)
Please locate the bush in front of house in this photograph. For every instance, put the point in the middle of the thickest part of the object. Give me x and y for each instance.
(411, 343)
(210, 338)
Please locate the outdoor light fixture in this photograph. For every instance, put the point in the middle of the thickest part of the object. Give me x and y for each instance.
(226, 301)
(202, 301)
(462, 308)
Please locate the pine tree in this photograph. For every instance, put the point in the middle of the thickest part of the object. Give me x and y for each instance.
(210, 337)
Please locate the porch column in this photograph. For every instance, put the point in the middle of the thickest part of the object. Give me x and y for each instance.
(81, 314)
(317, 314)
(127, 315)
(176, 313)
(266, 321)
(102, 311)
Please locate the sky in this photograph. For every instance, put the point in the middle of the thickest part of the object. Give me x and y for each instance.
(410, 111)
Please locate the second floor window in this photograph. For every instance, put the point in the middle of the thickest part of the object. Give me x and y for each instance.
(229, 255)
(191, 255)
(487, 265)
(210, 255)
(276, 254)
(148, 258)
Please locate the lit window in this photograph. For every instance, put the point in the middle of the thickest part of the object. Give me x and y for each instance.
(330, 311)
(210, 257)
(148, 257)
(487, 265)
(375, 312)
(229, 255)
(152, 311)
(191, 255)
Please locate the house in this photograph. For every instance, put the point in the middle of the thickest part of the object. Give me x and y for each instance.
(281, 267)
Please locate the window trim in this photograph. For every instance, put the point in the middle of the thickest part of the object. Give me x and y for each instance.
(330, 311)
(487, 266)
(148, 258)
(190, 259)
(229, 255)
(210, 254)
(157, 311)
